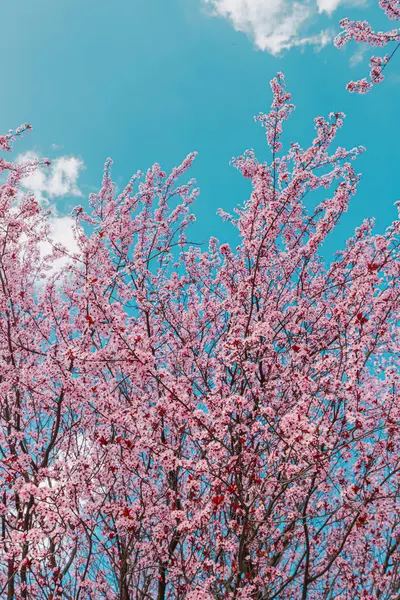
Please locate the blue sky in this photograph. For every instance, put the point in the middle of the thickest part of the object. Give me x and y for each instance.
(148, 81)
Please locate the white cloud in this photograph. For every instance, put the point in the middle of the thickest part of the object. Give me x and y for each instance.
(58, 180)
(61, 232)
(358, 55)
(328, 6)
(319, 40)
(277, 25)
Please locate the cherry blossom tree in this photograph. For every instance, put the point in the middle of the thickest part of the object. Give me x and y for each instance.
(179, 422)
(362, 32)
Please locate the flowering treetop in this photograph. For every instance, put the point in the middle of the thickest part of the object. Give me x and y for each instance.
(178, 422)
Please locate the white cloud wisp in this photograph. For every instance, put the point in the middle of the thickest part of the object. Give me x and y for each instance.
(277, 25)
(58, 180)
(48, 184)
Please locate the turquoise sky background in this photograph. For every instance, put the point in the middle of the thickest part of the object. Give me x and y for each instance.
(151, 80)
